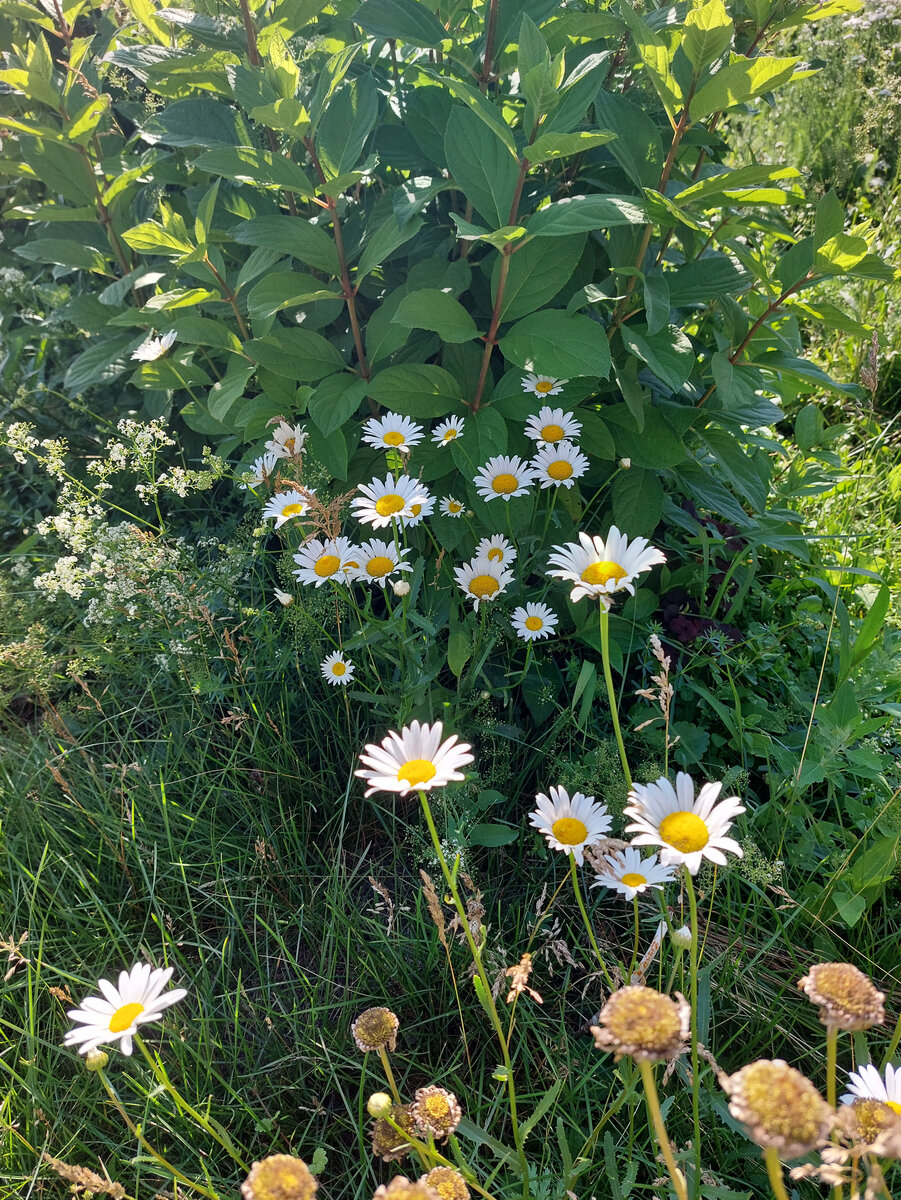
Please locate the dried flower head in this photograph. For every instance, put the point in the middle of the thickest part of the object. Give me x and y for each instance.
(387, 1143)
(875, 1124)
(401, 1188)
(436, 1111)
(643, 1023)
(375, 1028)
(448, 1183)
(279, 1177)
(847, 998)
(778, 1106)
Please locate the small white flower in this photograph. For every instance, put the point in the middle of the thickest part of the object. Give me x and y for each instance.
(379, 561)
(625, 463)
(599, 568)
(260, 470)
(534, 622)
(866, 1083)
(318, 562)
(481, 579)
(450, 507)
(504, 476)
(552, 425)
(288, 440)
(688, 829)
(630, 874)
(448, 431)
(497, 549)
(284, 506)
(154, 348)
(337, 669)
(414, 759)
(418, 510)
(384, 501)
(392, 432)
(284, 598)
(570, 824)
(681, 937)
(542, 385)
(401, 588)
(137, 999)
(560, 465)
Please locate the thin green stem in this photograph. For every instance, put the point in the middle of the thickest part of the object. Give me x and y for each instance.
(650, 1091)
(635, 947)
(893, 1044)
(695, 1066)
(831, 1089)
(774, 1170)
(584, 912)
(430, 1156)
(611, 693)
(389, 1074)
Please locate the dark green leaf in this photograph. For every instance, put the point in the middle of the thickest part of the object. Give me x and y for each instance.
(481, 165)
(552, 343)
(668, 353)
(637, 500)
(296, 353)
(429, 308)
(417, 390)
(346, 124)
(638, 147)
(246, 164)
(537, 273)
(290, 235)
(492, 835)
(584, 214)
(335, 401)
(406, 20)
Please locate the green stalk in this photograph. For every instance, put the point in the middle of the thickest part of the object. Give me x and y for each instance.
(488, 999)
(650, 1091)
(592, 938)
(831, 1064)
(695, 1073)
(389, 1074)
(611, 693)
(427, 1153)
(774, 1170)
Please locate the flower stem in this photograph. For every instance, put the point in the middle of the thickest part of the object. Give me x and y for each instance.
(635, 949)
(487, 998)
(389, 1074)
(831, 1065)
(582, 909)
(431, 1157)
(650, 1091)
(695, 1070)
(611, 693)
(774, 1170)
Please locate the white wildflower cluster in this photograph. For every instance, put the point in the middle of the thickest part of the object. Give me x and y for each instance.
(142, 442)
(20, 441)
(181, 481)
(12, 281)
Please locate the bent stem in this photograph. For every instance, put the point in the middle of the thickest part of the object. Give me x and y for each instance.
(486, 997)
(584, 912)
(774, 1170)
(650, 1091)
(695, 1080)
(430, 1157)
(611, 693)
(389, 1074)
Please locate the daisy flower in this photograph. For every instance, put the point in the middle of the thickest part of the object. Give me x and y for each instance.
(559, 465)
(419, 509)
(288, 440)
(504, 476)
(415, 758)
(534, 622)
(154, 348)
(383, 501)
(496, 548)
(552, 425)
(379, 561)
(599, 568)
(450, 507)
(867, 1084)
(627, 872)
(337, 669)
(259, 471)
(542, 385)
(482, 579)
(285, 505)
(688, 829)
(392, 432)
(136, 1000)
(570, 824)
(448, 431)
(334, 559)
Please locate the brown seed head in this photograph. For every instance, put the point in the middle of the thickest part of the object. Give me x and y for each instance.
(778, 1107)
(644, 1024)
(448, 1183)
(401, 1188)
(437, 1112)
(375, 1028)
(279, 1177)
(847, 998)
(387, 1143)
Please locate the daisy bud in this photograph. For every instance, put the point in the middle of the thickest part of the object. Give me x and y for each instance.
(379, 1104)
(625, 463)
(283, 597)
(96, 1060)
(401, 588)
(681, 938)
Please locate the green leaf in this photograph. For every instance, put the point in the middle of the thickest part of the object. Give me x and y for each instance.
(104, 360)
(551, 146)
(485, 435)
(492, 835)
(739, 82)
(537, 273)
(405, 20)
(595, 438)
(179, 298)
(584, 214)
(656, 59)
(331, 450)
(151, 237)
(651, 443)
(726, 185)
(657, 301)
(703, 280)
(429, 308)
(417, 390)
(335, 401)
(346, 124)
(552, 343)
(637, 501)
(198, 121)
(830, 219)
(291, 235)
(706, 33)
(668, 353)
(203, 222)
(286, 289)
(481, 166)
(64, 253)
(226, 391)
(245, 164)
(849, 908)
(638, 147)
(840, 253)
(459, 649)
(480, 105)
(296, 353)
(383, 240)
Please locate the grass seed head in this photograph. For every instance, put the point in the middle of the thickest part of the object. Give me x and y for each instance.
(436, 1111)
(779, 1107)
(846, 997)
(279, 1177)
(376, 1028)
(643, 1024)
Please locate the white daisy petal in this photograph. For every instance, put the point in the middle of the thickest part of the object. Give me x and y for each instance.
(559, 465)
(138, 999)
(542, 385)
(384, 501)
(599, 567)
(496, 549)
(688, 830)
(413, 759)
(570, 824)
(335, 560)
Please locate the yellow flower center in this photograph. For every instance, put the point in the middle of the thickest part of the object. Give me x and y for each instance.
(385, 506)
(415, 509)
(633, 879)
(570, 831)
(561, 469)
(552, 433)
(378, 566)
(685, 831)
(338, 668)
(327, 565)
(393, 438)
(450, 434)
(601, 572)
(543, 386)
(293, 510)
(289, 444)
(123, 1018)
(496, 555)
(437, 1106)
(416, 771)
(534, 623)
(483, 586)
(894, 1106)
(504, 484)
(453, 506)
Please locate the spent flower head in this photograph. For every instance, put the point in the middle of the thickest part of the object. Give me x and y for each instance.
(387, 1143)
(448, 1183)
(279, 1177)
(778, 1107)
(846, 997)
(643, 1024)
(376, 1029)
(401, 1188)
(437, 1111)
